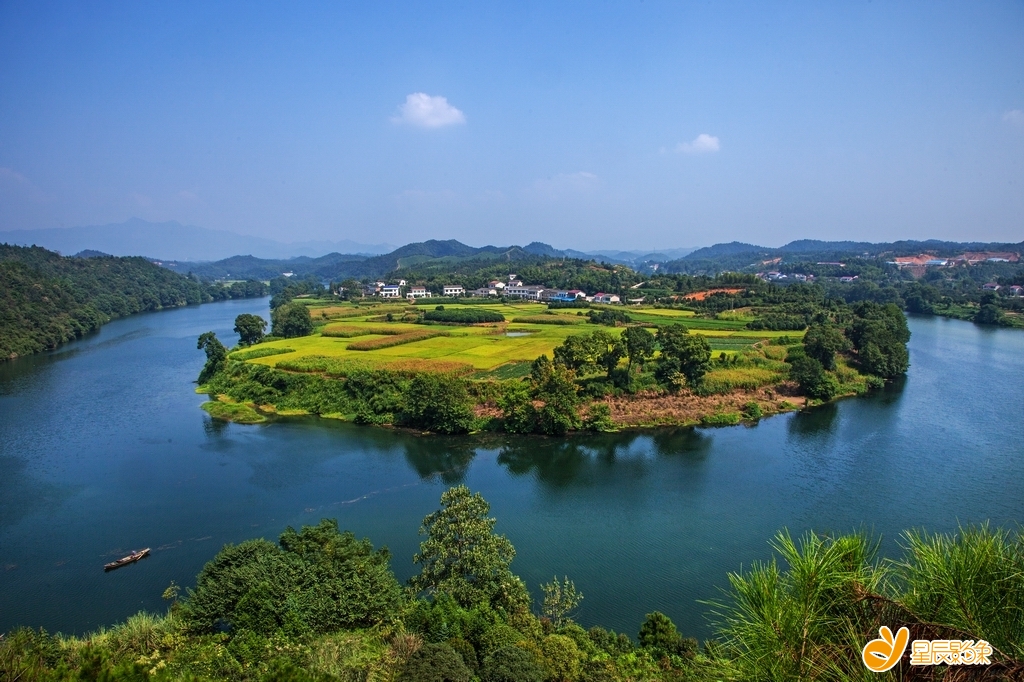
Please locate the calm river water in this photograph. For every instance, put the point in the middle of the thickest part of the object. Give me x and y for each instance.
(103, 448)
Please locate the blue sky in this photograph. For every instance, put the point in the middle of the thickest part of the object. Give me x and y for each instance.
(585, 125)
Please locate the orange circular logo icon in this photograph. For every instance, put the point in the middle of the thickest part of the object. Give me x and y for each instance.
(885, 652)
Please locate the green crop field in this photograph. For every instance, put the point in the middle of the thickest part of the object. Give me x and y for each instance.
(476, 348)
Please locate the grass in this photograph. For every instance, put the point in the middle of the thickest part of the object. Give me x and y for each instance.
(747, 378)
(233, 412)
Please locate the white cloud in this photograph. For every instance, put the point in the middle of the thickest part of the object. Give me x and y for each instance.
(423, 111)
(702, 144)
(1014, 117)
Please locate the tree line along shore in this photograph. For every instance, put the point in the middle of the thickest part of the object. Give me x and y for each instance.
(467, 365)
(320, 605)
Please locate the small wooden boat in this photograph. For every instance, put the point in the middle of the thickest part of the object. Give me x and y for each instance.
(124, 561)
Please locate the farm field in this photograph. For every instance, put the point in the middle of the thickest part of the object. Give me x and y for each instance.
(350, 336)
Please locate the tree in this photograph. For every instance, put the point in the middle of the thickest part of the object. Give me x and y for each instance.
(809, 373)
(291, 320)
(435, 663)
(879, 334)
(439, 402)
(683, 355)
(216, 355)
(561, 658)
(511, 664)
(517, 410)
(317, 581)
(989, 314)
(463, 557)
(250, 329)
(639, 346)
(350, 288)
(560, 600)
(823, 341)
(555, 385)
(659, 634)
(672, 338)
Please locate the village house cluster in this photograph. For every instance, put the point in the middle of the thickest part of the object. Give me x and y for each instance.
(513, 288)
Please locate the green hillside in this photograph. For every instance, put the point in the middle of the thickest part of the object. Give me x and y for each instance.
(47, 299)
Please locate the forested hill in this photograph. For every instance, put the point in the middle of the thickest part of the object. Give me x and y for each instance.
(47, 299)
(741, 257)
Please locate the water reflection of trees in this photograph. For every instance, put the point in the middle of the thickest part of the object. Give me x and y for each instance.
(587, 460)
(441, 457)
(820, 420)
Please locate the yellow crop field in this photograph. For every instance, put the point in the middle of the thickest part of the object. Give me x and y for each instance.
(484, 347)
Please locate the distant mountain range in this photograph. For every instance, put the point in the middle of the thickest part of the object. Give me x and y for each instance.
(430, 253)
(174, 241)
(217, 254)
(735, 256)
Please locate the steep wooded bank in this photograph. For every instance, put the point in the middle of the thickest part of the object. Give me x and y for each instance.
(47, 299)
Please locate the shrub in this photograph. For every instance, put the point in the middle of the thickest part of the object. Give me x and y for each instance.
(599, 418)
(435, 663)
(548, 319)
(609, 318)
(463, 316)
(511, 664)
(752, 410)
(317, 580)
(721, 419)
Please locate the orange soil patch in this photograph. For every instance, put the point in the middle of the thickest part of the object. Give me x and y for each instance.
(701, 295)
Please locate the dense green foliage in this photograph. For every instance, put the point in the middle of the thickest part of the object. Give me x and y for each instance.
(47, 299)
(463, 558)
(291, 320)
(216, 354)
(323, 606)
(250, 329)
(315, 581)
(879, 334)
(439, 402)
(460, 316)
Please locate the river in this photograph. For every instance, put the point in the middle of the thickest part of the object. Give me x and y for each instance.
(103, 449)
